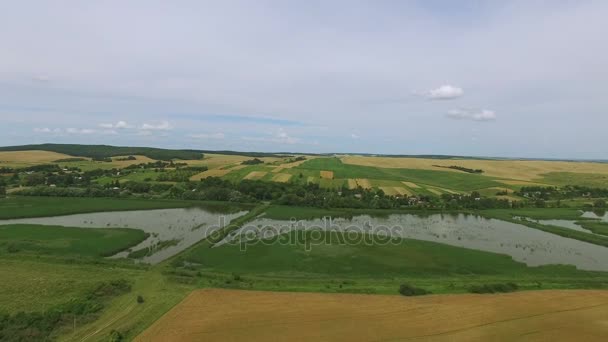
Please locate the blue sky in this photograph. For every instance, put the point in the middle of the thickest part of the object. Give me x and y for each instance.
(514, 79)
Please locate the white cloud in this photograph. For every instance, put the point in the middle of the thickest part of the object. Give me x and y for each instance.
(120, 124)
(208, 136)
(445, 92)
(472, 114)
(72, 130)
(157, 126)
(42, 130)
(354, 136)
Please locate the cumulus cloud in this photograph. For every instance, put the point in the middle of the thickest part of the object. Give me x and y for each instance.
(445, 92)
(472, 114)
(207, 136)
(120, 125)
(157, 126)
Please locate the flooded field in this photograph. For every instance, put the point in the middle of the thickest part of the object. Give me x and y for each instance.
(171, 230)
(530, 246)
(601, 216)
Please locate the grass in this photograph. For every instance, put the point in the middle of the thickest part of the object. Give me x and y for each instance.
(594, 226)
(444, 179)
(21, 206)
(67, 241)
(33, 284)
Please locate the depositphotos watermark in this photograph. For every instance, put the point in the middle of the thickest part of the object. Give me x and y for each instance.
(297, 233)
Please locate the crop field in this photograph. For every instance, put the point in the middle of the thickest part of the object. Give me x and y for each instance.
(364, 183)
(327, 174)
(444, 179)
(255, 175)
(289, 165)
(396, 190)
(227, 315)
(214, 161)
(281, 177)
(411, 185)
(210, 173)
(26, 158)
(509, 169)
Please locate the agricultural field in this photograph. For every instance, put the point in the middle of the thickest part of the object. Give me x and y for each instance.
(255, 316)
(27, 158)
(445, 253)
(525, 170)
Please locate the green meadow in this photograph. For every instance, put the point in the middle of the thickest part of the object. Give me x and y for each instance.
(67, 241)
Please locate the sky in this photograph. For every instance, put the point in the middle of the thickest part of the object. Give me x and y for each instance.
(475, 78)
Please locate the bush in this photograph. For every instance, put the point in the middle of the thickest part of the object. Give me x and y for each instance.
(409, 290)
(140, 299)
(116, 336)
(494, 288)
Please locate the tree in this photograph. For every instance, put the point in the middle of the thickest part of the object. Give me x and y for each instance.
(600, 203)
(2, 192)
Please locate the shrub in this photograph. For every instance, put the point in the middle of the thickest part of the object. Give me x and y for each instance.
(494, 288)
(140, 299)
(116, 336)
(409, 290)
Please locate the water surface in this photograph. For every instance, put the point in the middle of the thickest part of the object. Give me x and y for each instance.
(185, 226)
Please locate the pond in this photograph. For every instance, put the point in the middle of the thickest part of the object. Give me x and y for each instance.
(524, 244)
(173, 229)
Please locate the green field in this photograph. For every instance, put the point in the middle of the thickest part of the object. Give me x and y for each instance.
(443, 179)
(566, 178)
(67, 241)
(371, 268)
(18, 207)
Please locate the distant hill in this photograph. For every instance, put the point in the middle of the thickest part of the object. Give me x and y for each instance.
(105, 151)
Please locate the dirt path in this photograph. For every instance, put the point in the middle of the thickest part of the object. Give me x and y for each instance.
(228, 315)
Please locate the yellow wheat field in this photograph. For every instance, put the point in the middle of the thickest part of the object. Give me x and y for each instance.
(233, 315)
(291, 165)
(124, 163)
(255, 175)
(411, 185)
(31, 157)
(395, 190)
(281, 177)
(509, 169)
(327, 174)
(352, 184)
(364, 183)
(209, 173)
